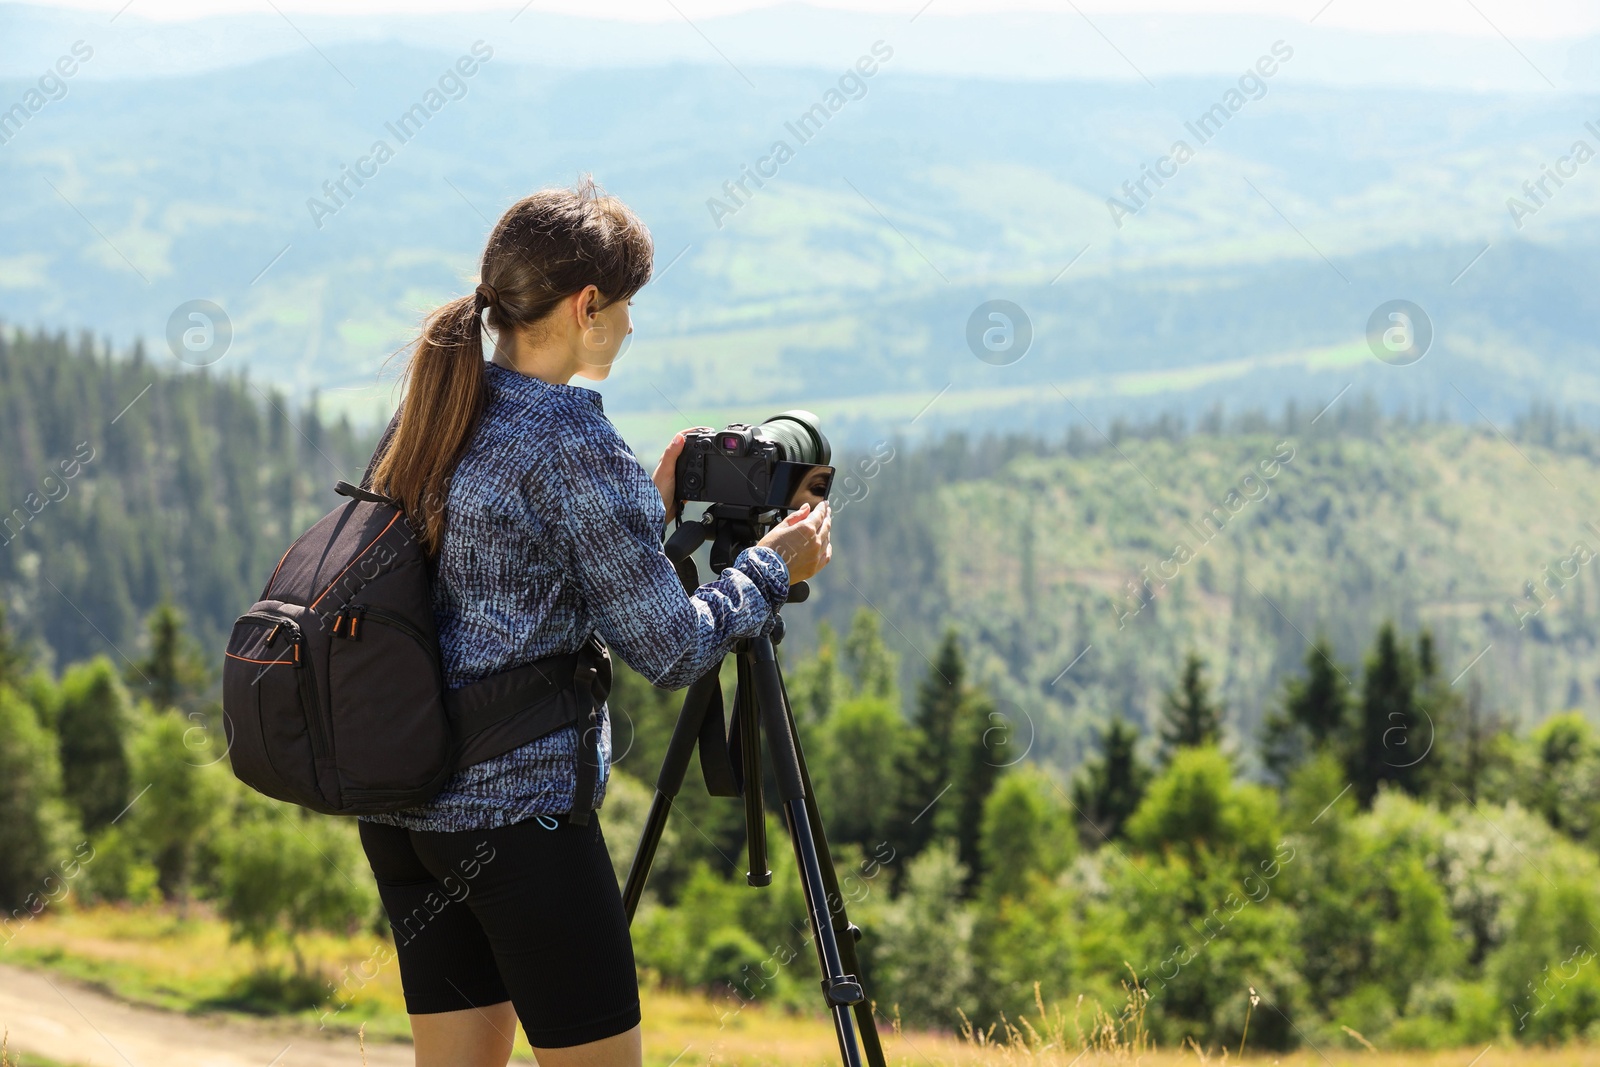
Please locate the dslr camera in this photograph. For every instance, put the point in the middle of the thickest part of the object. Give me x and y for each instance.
(748, 477)
(781, 462)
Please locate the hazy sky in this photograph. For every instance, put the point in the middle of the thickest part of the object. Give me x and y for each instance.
(1513, 18)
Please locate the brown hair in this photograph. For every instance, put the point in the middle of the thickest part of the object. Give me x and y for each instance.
(548, 246)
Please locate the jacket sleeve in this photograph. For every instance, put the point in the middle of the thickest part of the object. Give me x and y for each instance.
(613, 518)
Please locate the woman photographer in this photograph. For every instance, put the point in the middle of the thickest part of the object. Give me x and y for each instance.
(542, 527)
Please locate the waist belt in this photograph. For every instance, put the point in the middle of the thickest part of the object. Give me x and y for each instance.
(507, 710)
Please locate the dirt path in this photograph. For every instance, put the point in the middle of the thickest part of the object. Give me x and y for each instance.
(52, 1016)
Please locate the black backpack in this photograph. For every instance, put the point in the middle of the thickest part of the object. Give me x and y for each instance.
(333, 696)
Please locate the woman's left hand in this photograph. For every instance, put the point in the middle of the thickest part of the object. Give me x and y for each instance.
(666, 474)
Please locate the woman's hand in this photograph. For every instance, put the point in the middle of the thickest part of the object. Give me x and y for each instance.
(666, 474)
(803, 540)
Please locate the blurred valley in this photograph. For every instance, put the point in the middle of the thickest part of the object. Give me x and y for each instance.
(846, 280)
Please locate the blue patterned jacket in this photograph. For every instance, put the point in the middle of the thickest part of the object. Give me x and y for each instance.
(555, 530)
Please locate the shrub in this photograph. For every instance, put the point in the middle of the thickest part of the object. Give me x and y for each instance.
(1548, 970)
(1027, 830)
(93, 719)
(1194, 807)
(860, 748)
(119, 870)
(925, 960)
(1023, 938)
(284, 871)
(178, 793)
(1445, 1013)
(35, 825)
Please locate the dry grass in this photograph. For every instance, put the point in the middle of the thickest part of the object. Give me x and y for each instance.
(149, 955)
(1108, 1038)
(8, 1060)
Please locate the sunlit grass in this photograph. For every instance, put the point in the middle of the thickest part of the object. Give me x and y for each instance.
(151, 955)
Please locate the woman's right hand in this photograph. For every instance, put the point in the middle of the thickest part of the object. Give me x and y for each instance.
(803, 541)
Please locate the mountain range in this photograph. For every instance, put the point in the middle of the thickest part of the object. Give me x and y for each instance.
(1015, 158)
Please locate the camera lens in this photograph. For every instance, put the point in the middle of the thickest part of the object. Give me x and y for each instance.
(798, 436)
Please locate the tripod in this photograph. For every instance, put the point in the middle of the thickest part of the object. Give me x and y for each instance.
(761, 703)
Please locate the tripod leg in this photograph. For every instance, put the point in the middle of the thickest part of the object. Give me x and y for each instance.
(746, 710)
(844, 930)
(679, 751)
(840, 988)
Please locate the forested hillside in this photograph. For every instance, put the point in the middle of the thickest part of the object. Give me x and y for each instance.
(1116, 556)
(124, 485)
(1366, 897)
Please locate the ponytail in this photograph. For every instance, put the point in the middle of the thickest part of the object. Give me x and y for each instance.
(443, 402)
(544, 248)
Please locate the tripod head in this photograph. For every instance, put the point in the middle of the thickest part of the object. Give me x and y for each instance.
(731, 529)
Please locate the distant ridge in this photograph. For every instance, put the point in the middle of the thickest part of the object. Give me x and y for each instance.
(1008, 45)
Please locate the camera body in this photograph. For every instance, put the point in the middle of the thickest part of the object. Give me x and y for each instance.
(729, 466)
(764, 466)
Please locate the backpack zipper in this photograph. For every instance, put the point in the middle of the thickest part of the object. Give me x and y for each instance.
(278, 623)
(303, 676)
(308, 697)
(389, 618)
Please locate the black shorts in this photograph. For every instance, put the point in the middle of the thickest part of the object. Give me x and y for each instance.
(529, 913)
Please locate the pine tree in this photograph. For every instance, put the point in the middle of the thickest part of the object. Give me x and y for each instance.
(873, 668)
(951, 758)
(1109, 788)
(930, 773)
(817, 686)
(173, 673)
(1189, 717)
(1477, 743)
(1283, 745)
(160, 484)
(1390, 728)
(977, 758)
(1321, 703)
(1315, 714)
(1454, 741)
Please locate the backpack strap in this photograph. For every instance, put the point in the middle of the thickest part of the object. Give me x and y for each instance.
(377, 453)
(356, 492)
(504, 711)
(592, 679)
(492, 701)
